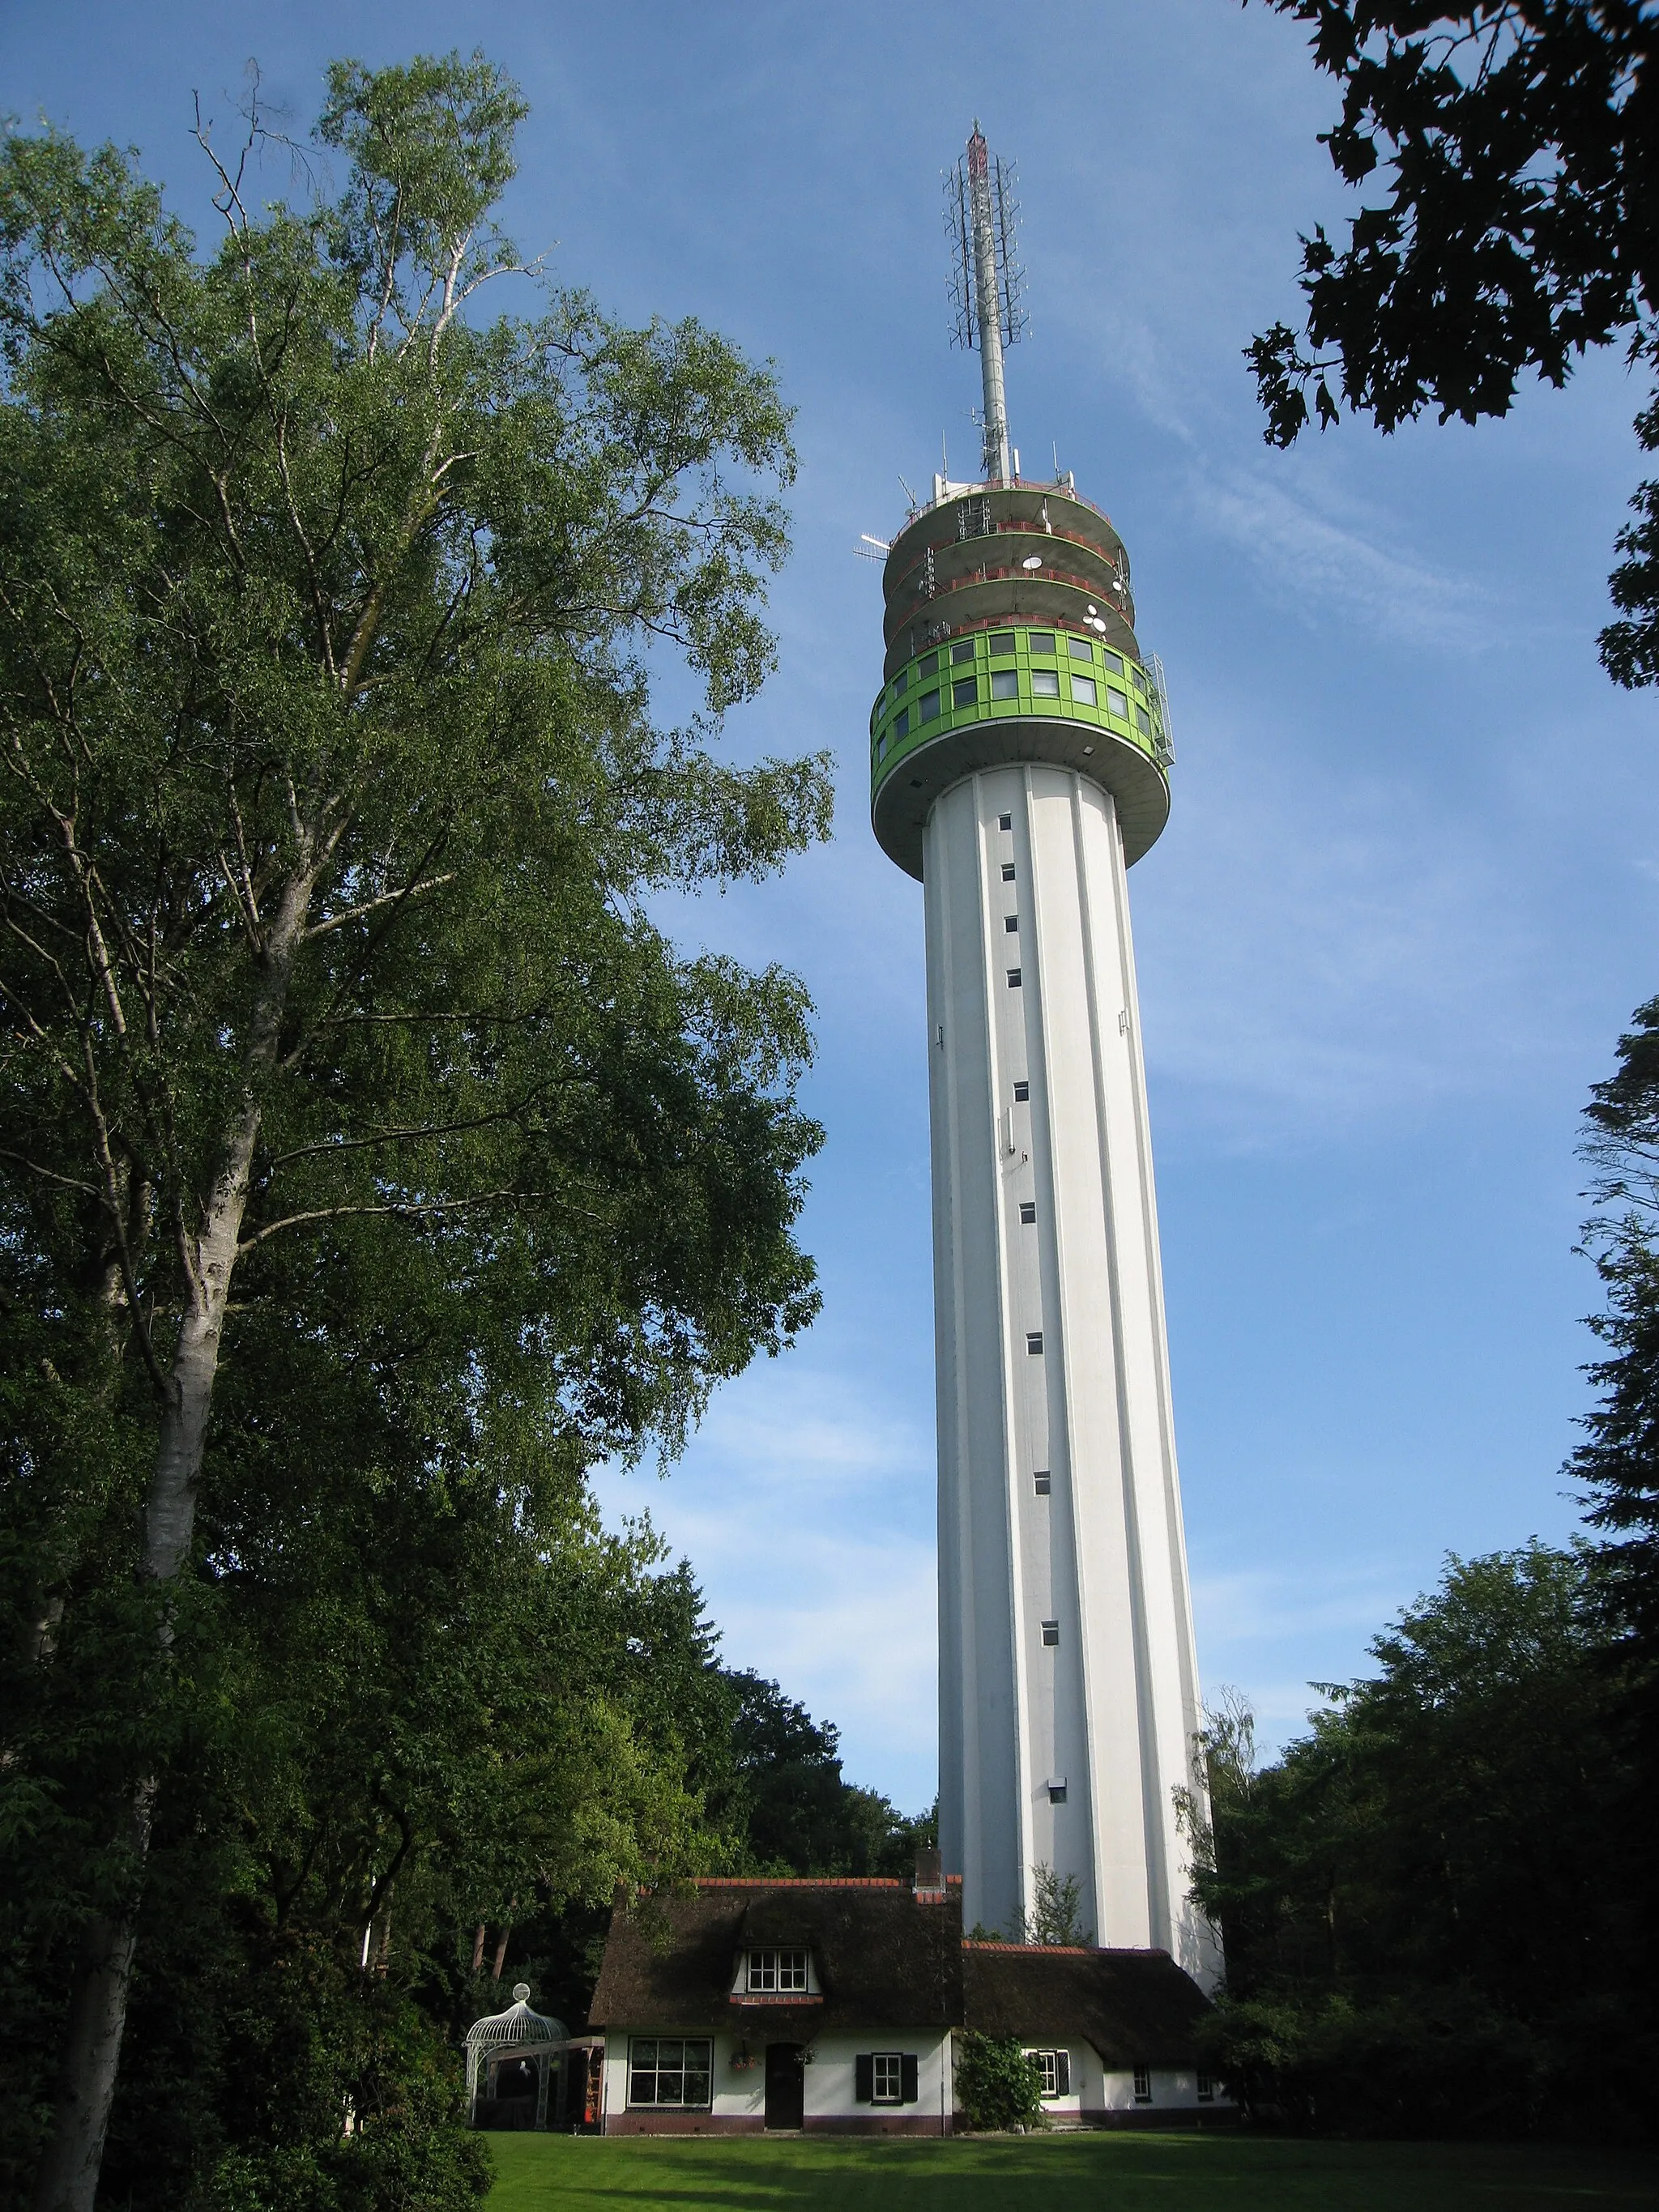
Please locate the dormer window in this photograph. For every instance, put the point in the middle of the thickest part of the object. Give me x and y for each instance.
(771, 1973)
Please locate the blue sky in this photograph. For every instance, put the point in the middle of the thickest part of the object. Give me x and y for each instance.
(1407, 894)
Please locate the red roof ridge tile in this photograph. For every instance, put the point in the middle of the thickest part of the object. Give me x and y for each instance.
(1038, 1950)
(1071, 1950)
(800, 1882)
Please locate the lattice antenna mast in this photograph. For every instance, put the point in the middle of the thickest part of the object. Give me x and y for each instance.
(987, 281)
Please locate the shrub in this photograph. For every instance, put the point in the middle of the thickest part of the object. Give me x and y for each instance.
(996, 2084)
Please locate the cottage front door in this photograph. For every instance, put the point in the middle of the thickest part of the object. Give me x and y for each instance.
(785, 2086)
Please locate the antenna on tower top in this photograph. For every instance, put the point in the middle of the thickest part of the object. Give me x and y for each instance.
(987, 281)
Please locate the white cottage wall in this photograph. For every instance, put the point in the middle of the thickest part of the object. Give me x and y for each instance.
(739, 2096)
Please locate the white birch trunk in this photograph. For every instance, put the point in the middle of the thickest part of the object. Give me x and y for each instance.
(67, 2180)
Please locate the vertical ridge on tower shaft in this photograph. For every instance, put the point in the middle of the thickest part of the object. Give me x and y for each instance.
(986, 283)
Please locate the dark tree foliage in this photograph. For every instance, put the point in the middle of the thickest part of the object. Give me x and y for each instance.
(784, 1793)
(1515, 144)
(1433, 1904)
(1620, 1462)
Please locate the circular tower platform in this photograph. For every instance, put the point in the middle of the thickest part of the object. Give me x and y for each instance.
(1010, 638)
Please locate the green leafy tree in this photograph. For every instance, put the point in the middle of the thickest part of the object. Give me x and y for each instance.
(1378, 1886)
(1056, 1914)
(1509, 153)
(333, 791)
(998, 2084)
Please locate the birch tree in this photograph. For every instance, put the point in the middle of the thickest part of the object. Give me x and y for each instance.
(332, 791)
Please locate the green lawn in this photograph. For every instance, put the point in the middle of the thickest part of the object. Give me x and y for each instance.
(1062, 2173)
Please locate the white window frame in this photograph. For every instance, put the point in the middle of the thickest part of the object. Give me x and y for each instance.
(776, 1973)
(1049, 2062)
(1142, 2085)
(888, 2066)
(683, 2044)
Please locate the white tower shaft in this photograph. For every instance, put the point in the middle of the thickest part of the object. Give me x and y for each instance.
(1068, 1676)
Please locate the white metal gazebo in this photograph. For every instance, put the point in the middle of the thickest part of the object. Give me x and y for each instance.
(503, 2037)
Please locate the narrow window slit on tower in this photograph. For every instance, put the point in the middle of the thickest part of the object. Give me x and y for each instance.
(1051, 1631)
(1057, 1790)
(1022, 1092)
(1004, 822)
(1013, 979)
(1042, 1481)
(1007, 872)
(1027, 1212)
(1034, 1340)
(1010, 923)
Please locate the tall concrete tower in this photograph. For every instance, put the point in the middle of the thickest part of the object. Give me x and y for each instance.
(1019, 760)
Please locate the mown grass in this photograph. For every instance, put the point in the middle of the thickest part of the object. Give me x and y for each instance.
(1062, 2173)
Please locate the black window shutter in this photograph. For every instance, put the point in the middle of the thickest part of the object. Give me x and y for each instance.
(1062, 2073)
(908, 2090)
(864, 2078)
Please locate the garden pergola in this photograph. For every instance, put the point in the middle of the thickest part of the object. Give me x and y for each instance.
(502, 2037)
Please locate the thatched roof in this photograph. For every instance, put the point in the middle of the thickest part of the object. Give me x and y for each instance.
(884, 1960)
(1136, 2007)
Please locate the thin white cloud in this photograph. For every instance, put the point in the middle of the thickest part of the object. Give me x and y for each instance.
(806, 1513)
(1320, 951)
(1316, 562)
(1251, 1605)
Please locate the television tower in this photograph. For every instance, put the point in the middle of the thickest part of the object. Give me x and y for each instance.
(1019, 759)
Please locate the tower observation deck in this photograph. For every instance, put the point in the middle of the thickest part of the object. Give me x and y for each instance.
(1020, 755)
